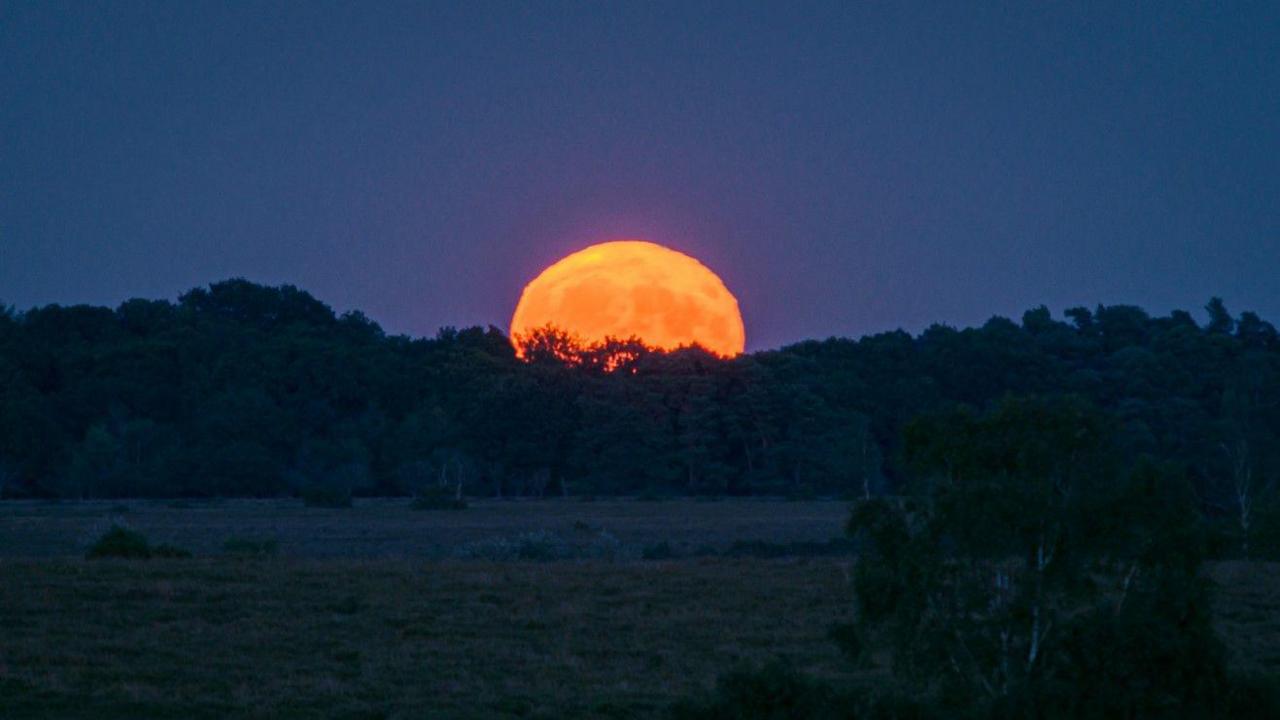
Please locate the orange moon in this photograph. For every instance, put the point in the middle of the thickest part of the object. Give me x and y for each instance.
(633, 288)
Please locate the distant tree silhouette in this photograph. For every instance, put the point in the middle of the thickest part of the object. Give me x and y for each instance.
(241, 389)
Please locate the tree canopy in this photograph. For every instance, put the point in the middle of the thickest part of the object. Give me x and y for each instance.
(242, 389)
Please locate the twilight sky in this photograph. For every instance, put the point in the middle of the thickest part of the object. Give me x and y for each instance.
(846, 168)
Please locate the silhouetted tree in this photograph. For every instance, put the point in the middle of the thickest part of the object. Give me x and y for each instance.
(1028, 564)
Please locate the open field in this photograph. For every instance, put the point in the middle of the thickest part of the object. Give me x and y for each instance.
(341, 638)
(390, 529)
(309, 634)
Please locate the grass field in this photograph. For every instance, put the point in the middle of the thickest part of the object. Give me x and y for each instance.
(391, 529)
(400, 627)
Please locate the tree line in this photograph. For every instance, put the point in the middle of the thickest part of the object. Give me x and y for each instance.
(240, 389)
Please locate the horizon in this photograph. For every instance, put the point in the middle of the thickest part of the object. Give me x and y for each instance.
(1057, 314)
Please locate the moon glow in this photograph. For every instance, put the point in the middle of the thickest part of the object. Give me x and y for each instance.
(633, 288)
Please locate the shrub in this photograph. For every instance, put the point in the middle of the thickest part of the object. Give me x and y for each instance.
(541, 546)
(438, 498)
(1253, 696)
(778, 692)
(121, 542)
(774, 692)
(1264, 541)
(658, 551)
(249, 547)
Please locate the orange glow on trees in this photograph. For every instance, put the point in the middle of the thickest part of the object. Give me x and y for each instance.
(633, 290)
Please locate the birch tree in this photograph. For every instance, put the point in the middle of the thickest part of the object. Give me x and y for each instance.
(1021, 517)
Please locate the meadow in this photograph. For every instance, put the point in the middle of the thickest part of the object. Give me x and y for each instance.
(384, 612)
(390, 528)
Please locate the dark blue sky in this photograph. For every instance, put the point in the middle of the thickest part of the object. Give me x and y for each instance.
(846, 168)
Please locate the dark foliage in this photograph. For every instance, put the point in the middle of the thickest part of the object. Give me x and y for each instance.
(1032, 573)
(658, 551)
(778, 692)
(774, 692)
(121, 542)
(243, 390)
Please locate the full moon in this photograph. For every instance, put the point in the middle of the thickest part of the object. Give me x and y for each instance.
(633, 288)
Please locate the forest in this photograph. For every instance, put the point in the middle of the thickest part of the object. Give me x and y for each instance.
(239, 389)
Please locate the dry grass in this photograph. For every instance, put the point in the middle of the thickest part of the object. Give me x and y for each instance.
(391, 529)
(285, 638)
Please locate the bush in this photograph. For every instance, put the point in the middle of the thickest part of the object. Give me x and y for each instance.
(121, 542)
(1253, 696)
(1264, 543)
(438, 498)
(542, 546)
(249, 547)
(320, 496)
(778, 692)
(774, 692)
(658, 551)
